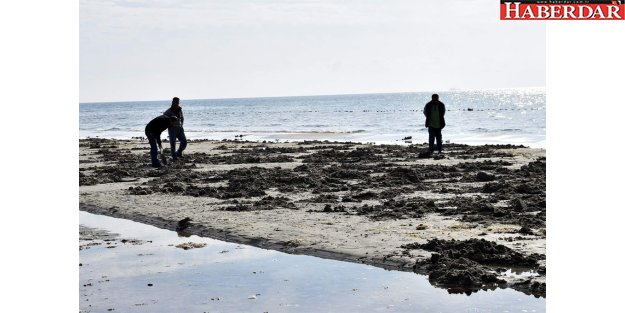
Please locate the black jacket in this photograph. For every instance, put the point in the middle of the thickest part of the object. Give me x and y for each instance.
(157, 126)
(441, 113)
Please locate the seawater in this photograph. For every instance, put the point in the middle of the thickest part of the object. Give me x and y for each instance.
(225, 277)
(503, 116)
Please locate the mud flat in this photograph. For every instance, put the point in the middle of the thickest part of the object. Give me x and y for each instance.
(465, 218)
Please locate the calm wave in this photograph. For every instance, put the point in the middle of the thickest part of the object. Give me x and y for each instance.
(515, 116)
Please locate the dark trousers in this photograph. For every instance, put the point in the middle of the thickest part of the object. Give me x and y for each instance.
(177, 133)
(153, 149)
(435, 133)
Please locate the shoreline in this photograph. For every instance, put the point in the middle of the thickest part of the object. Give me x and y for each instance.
(362, 203)
(263, 243)
(336, 137)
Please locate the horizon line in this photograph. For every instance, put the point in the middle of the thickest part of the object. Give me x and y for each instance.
(320, 95)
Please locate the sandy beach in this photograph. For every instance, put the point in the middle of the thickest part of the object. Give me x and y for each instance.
(463, 217)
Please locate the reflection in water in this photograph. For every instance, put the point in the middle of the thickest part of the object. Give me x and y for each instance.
(155, 276)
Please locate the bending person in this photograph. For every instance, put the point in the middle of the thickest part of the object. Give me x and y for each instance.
(153, 132)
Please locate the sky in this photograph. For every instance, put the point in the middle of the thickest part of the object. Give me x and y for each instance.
(157, 49)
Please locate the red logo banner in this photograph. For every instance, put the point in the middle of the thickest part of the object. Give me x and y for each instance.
(562, 10)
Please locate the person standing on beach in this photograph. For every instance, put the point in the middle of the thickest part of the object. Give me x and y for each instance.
(434, 112)
(176, 132)
(153, 132)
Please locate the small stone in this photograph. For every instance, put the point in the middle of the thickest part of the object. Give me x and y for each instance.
(526, 231)
(484, 177)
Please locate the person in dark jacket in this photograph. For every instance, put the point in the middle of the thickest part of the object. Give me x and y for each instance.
(176, 132)
(153, 132)
(435, 121)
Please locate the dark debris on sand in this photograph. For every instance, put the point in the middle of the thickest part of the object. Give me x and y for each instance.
(471, 265)
(475, 184)
(343, 173)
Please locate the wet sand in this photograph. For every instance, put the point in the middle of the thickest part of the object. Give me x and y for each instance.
(463, 218)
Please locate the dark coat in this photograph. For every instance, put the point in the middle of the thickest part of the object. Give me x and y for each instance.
(157, 126)
(441, 113)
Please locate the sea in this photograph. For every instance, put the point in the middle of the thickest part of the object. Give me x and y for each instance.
(474, 117)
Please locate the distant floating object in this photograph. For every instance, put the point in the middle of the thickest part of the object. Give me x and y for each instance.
(407, 138)
(469, 109)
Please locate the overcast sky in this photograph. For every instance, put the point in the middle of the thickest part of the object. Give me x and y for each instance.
(157, 49)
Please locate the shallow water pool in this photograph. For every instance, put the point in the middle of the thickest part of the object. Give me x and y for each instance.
(153, 275)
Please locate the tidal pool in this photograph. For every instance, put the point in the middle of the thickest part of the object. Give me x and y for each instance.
(142, 270)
